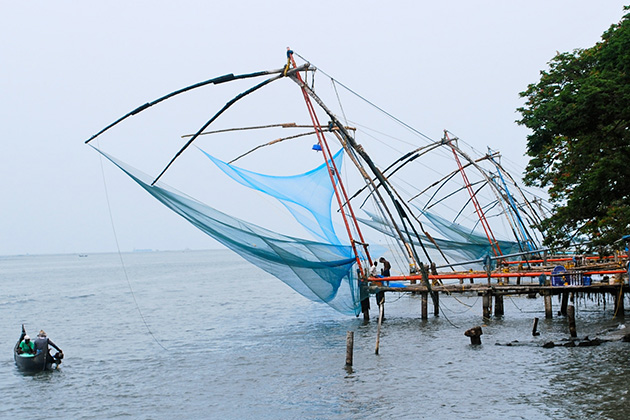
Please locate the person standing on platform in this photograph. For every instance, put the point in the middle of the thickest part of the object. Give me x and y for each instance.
(386, 267)
(374, 269)
(385, 272)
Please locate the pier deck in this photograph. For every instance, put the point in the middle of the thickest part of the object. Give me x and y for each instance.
(494, 285)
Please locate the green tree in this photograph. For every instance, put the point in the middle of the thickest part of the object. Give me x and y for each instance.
(579, 115)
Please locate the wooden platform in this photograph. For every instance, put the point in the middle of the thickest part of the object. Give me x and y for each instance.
(496, 291)
(504, 289)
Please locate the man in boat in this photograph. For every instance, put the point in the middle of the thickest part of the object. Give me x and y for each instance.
(41, 344)
(26, 346)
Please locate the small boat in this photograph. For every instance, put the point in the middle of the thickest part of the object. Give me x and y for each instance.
(30, 362)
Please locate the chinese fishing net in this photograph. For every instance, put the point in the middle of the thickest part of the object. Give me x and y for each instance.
(457, 241)
(320, 271)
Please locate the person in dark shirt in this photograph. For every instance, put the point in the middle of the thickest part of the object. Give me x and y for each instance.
(386, 267)
(41, 344)
(385, 272)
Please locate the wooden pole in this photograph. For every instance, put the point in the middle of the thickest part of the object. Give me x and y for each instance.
(535, 328)
(565, 302)
(498, 305)
(487, 305)
(380, 321)
(619, 306)
(436, 305)
(548, 308)
(425, 310)
(475, 335)
(571, 315)
(349, 347)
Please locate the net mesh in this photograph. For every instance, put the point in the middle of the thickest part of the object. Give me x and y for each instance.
(458, 242)
(320, 271)
(307, 196)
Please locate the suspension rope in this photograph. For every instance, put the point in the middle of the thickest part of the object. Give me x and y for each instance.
(371, 103)
(122, 262)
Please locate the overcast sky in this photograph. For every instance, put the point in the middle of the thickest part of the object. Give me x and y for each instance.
(69, 68)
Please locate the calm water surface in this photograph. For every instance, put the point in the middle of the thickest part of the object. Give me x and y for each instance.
(214, 337)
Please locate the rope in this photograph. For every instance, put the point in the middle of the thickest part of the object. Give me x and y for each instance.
(514, 303)
(370, 103)
(122, 263)
(449, 321)
(345, 119)
(465, 310)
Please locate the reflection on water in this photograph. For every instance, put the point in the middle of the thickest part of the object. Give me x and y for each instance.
(240, 344)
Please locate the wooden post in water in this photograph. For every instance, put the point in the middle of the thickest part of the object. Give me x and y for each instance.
(498, 305)
(425, 305)
(436, 305)
(487, 304)
(565, 302)
(548, 308)
(380, 321)
(349, 347)
(535, 328)
(475, 335)
(619, 306)
(571, 315)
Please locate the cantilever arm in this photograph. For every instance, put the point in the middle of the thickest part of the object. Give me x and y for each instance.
(216, 81)
(214, 117)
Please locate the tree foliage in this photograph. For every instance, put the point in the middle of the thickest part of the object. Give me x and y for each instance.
(579, 115)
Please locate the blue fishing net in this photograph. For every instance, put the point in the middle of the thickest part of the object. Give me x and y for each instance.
(307, 196)
(322, 272)
(468, 240)
(457, 242)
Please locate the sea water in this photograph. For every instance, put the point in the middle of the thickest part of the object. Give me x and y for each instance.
(204, 334)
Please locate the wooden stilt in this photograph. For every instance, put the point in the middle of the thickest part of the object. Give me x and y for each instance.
(380, 321)
(565, 302)
(487, 305)
(349, 347)
(619, 306)
(548, 308)
(436, 305)
(425, 304)
(498, 305)
(364, 294)
(365, 309)
(571, 315)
